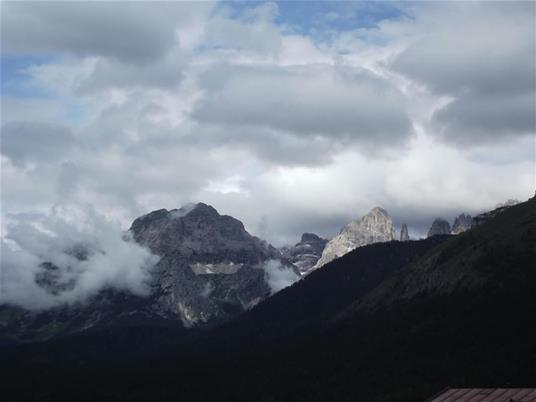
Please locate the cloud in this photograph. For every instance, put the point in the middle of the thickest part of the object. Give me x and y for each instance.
(473, 119)
(489, 74)
(107, 74)
(278, 276)
(452, 59)
(341, 104)
(288, 124)
(252, 32)
(68, 256)
(137, 32)
(33, 142)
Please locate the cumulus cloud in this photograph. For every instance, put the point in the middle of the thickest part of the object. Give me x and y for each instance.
(108, 74)
(252, 32)
(138, 32)
(67, 256)
(278, 276)
(476, 119)
(33, 142)
(489, 75)
(271, 119)
(314, 101)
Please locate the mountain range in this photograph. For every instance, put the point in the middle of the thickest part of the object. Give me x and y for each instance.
(388, 321)
(209, 270)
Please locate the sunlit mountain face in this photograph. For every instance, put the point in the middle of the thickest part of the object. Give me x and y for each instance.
(266, 201)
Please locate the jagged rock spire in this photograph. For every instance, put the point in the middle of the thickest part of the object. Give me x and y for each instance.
(305, 254)
(462, 223)
(374, 227)
(439, 227)
(404, 235)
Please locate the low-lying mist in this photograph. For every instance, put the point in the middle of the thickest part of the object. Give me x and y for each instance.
(67, 256)
(278, 276)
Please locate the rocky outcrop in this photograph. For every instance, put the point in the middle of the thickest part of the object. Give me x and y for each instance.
(439, 227)
(462, 223)
(404, 235)
(305, 254)
(201, 236)
(210, 269)
(374, 227)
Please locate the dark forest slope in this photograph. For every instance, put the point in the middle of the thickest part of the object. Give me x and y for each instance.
(460, 314)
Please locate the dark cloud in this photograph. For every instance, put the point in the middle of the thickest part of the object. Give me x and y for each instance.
(138, 32)
(275, 147)
(473, 119)
(483, 55)
(317, 101)
(165, 73)
(33, 142)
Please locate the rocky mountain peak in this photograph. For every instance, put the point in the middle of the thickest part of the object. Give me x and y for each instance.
(462, 223)
(404, 235)
(305, 254)
(210, 265)
(195, 229)
(439, 227)
(377, 217)
(376, 226)
(199, 209)
(310, 237)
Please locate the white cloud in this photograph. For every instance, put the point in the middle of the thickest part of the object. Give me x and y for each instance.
(288, 132)
(342, 103)
(26, 142)
(88, 254)
(278, 276)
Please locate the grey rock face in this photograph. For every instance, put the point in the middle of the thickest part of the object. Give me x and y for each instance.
(439, 227)
(202, 236)
(305, 254)
(404, 235)
(462, 223)
(374, 227)
(210, 269)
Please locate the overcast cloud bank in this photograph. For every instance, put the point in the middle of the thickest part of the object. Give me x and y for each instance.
(289, 124)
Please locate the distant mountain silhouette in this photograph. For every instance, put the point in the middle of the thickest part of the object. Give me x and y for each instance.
(396, 321)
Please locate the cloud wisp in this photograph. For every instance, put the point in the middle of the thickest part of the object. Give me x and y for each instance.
(68, 256)
(278, 276)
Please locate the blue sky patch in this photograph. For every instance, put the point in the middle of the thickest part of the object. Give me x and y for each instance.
(16, 82)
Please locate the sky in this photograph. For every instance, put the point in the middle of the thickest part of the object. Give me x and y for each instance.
(290, 116)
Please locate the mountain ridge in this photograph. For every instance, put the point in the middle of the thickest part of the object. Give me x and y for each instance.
(375, 226)
(403, 346)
